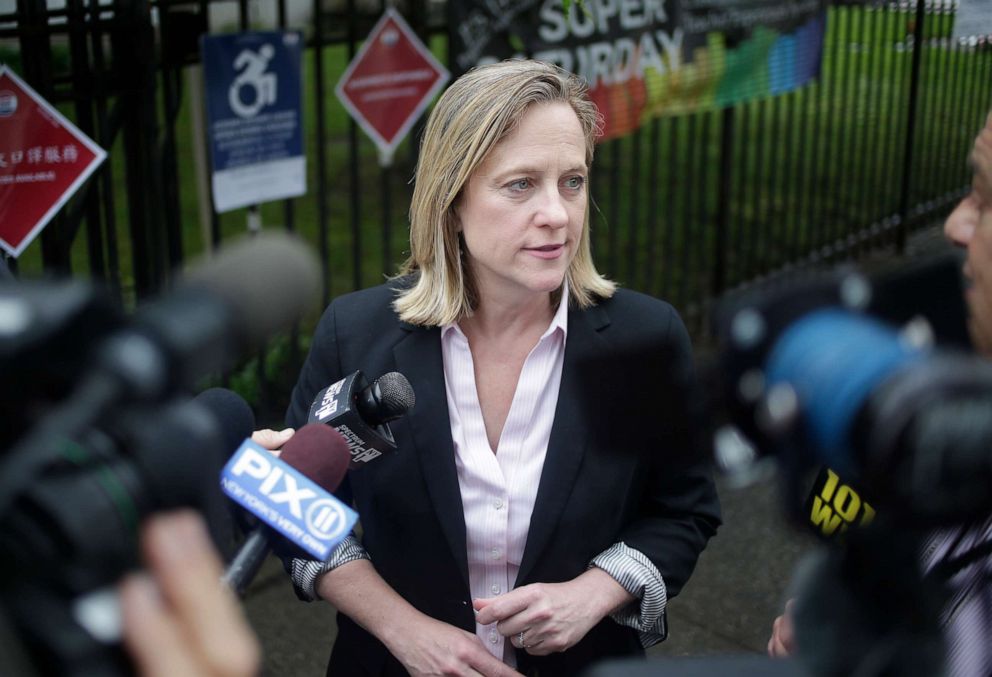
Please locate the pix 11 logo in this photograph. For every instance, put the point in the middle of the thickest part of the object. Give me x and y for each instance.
(286, 500)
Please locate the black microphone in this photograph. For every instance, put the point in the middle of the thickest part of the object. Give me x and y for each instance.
(234, 416)
(220, 309)
(235, 422)
(317, 452)
(361, 412)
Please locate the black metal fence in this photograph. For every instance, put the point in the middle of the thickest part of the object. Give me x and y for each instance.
(686, 208)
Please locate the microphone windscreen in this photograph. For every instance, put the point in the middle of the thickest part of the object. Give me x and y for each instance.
(235, 419)
(178, 449)
(319, 452)
(395, 394)
(269, 280)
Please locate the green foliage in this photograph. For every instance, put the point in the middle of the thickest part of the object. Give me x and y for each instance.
(11, 57)
(266, 379)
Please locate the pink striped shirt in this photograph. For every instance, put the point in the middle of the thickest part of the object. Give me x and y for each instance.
(498, 490)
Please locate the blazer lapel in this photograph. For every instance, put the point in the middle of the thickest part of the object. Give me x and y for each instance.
(418, 357)
(566, 446)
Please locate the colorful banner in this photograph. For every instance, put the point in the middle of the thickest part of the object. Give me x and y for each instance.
(645, 58)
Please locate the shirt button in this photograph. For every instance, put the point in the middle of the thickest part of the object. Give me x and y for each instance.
(493, 638)
(498, 503)
(495, 588)
(495, 553)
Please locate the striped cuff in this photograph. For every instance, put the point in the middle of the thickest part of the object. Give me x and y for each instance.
(637, 575)
(305, 572)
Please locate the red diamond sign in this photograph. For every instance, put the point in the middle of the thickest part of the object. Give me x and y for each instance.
(390, 82)
(44, 159)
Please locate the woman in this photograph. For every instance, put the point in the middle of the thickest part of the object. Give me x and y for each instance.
(540, 507)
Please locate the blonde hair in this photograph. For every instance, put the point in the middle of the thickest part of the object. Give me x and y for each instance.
(475, 113)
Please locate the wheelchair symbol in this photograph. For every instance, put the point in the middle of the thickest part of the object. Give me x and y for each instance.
(252, 77)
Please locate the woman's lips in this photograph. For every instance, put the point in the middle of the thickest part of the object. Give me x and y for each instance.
(550, 251)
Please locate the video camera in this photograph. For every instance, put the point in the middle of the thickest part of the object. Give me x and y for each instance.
(871, 376)
(871, 379)
(107, 434)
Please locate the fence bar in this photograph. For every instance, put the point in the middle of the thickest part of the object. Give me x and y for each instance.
(724, 189)
(321, 131)
(633, 214)
(742, 245)
(653, 189)
(907, 167)
(873, 193)
(862, 219)
(701, 242)
(671, 184)
(613, 167)
(82, 76)
(354, 173)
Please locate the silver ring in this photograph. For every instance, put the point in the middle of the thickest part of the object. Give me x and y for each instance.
(520, 638)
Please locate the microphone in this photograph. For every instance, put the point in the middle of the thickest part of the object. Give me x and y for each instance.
(291, 494)
(235, 422)
(361, 412)
(234, 416)
(248, 291)
(219, 310)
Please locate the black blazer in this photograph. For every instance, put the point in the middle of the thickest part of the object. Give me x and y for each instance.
(621, 466)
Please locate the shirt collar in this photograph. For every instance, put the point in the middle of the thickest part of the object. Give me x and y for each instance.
(559, 321)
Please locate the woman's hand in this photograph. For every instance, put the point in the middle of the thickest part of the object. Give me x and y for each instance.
(424, 645)
(271, 439)
(553, 617)
(432, 647)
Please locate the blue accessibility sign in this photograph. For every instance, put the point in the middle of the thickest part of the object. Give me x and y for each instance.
(253, 96)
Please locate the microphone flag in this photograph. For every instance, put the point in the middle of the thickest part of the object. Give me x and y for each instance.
(336, 406)
(287, 500)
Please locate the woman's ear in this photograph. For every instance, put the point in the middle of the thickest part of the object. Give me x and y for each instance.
(456, 218)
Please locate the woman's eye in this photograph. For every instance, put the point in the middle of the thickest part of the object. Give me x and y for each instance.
(520, 184)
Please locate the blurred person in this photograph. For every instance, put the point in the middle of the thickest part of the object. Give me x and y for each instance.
(177, 617)
(545, 499)
(967, 615)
